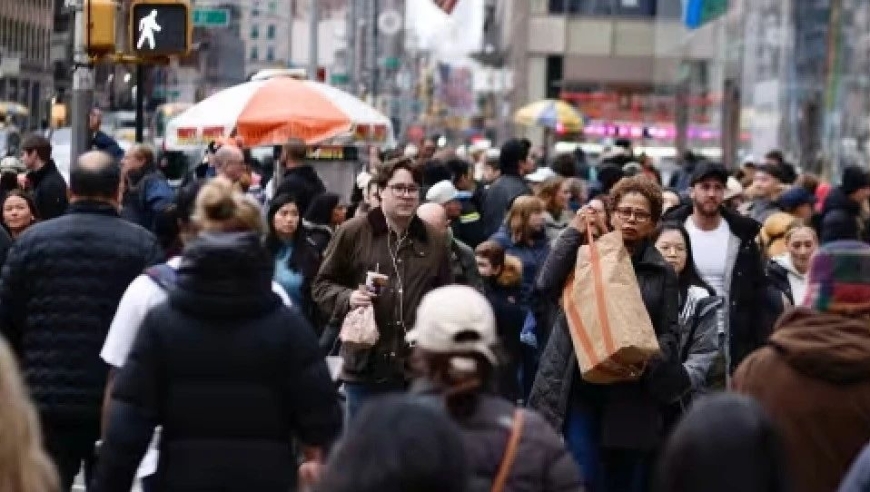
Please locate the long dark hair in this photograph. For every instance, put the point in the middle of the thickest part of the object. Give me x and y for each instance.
(689, 276)
(321, 207)
(304, 258)
(398, 443)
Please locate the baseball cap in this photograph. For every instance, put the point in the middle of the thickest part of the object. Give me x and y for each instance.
(795, 197)
(540, 175)
(707, 170)
(467, 326)
(11, 164)
(733, 188)
(442, 192)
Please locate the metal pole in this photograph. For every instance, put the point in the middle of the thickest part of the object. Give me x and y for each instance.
(290, 20)
(82, 87)
(350, 40)
(375, 67)
(140, 103)
(313, 22)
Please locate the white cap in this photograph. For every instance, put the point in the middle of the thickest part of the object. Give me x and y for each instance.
(442, 192)
(541, 174)
(467, 326)
(733, 188)
(410, 150)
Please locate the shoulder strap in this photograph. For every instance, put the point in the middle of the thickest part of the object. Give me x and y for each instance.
(163, 275)
(510, 452)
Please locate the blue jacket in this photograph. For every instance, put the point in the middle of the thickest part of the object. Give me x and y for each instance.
(107, 144)
(532, 256)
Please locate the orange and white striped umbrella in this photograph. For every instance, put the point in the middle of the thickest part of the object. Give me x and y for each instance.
(269, 112)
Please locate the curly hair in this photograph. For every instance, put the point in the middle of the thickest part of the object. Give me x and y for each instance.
(648, 189)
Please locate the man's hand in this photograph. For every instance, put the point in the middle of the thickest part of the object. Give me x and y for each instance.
(360, 298)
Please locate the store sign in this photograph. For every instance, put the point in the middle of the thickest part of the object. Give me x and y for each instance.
(332, 153)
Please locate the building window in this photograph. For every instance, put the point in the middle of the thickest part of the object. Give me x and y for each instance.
(273, 7)
(270, 53)
(255, 31)
(270, 32)
(255, 54)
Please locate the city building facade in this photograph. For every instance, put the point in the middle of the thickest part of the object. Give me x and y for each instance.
(25, 45)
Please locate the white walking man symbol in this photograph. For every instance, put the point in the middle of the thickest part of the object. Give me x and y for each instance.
(147, 27)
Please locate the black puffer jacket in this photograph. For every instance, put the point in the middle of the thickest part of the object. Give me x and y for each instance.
(229, 372)
(542, 463)
(631, 412)
(61, 284)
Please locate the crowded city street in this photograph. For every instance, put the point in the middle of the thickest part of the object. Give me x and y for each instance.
(434, 246)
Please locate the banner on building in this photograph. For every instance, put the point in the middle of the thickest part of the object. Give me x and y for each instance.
(454, 90)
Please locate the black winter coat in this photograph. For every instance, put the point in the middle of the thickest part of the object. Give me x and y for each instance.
(61, 284)
(303, 183)
(229, 372)
(841, 219)
(749, 320)
(631, 412)
(49, 191)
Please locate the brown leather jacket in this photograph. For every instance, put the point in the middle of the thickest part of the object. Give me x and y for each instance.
(363, 244)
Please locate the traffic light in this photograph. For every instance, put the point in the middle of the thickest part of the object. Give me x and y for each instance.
(160, 27)
(100, 26)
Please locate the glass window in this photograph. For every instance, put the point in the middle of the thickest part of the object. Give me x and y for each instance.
(255, 54)
(273, 7)
(255, 31)
(270, 53)
(270, 32)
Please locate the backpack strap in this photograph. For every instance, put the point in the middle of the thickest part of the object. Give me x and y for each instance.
(163, 275)
(510, 452)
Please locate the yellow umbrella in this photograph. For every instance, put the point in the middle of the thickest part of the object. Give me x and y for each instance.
(550, 113)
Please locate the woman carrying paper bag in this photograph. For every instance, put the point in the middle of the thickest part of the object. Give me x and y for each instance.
(613, 429)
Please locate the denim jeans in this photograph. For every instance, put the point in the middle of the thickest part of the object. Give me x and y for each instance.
(358, 394)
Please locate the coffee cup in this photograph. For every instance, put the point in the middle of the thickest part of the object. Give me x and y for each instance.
(376, 282)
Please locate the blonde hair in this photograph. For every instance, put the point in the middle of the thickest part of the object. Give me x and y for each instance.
(548, 192)
(24, 465)
(518, 217)
(220, 207)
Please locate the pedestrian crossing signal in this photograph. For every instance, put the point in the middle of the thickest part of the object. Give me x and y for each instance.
(160, 28)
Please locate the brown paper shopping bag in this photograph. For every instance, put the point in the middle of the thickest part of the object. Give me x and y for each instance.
(610, 327)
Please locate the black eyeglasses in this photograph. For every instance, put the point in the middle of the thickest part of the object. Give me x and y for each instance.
(403, 189)
(640, 216)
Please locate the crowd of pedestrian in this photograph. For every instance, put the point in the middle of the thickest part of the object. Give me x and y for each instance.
(412, 334)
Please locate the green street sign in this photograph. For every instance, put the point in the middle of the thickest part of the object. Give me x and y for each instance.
(211, 17)
(339, 79)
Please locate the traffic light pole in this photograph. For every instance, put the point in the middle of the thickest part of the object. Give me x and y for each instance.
(82, 86)
(140, 103)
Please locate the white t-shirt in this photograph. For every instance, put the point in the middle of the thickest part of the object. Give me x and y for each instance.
(141, 295)
(710, 253)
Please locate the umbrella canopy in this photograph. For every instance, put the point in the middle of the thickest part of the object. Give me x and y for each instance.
(550, 113)
(269, 112)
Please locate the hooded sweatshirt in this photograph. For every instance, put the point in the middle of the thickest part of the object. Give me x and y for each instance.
(813, 377)
(797, 281)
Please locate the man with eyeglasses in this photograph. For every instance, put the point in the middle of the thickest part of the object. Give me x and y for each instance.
(729, 259)
(387, 259)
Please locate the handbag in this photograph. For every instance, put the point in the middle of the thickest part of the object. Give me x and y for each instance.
(359, 328)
